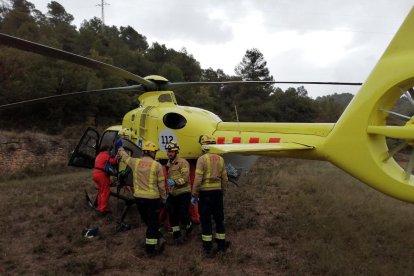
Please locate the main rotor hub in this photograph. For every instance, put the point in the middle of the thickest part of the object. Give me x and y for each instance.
(156, 79)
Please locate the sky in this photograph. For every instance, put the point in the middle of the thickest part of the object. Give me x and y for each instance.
(301, 40)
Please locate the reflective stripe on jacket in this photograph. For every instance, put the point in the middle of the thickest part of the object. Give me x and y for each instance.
(179, 171)
(211, 173)
(149, 180)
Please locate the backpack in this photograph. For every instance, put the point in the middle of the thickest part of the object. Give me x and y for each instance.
(110, 169)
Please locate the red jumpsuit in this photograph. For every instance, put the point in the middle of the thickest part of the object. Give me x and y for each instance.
(193, 209)
(102, 179)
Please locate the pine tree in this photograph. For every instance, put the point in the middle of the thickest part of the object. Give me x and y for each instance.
(252, 100)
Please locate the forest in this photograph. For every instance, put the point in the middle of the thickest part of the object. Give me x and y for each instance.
(25, 76)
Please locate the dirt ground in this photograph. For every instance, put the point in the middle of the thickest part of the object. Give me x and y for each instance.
(42, 220)
(287, 217)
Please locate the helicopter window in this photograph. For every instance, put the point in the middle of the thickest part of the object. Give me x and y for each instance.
(174, 120)
(165, 98)
(108, 138)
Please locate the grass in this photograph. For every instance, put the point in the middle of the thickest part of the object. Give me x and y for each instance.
(342, 227)
(288, 217)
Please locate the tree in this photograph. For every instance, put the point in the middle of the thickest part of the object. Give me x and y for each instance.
(293, 105)
(59, 21)
(252, 100)
(133, 39)
(57, 13)
(253, 66)
(19, 20)
(332, 106)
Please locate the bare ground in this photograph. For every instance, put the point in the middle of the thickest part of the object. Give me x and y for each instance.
(287, 217)
(42, 220)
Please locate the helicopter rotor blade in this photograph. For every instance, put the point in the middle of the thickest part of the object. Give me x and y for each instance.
(139, 87)
(171, 85)
(41, 49)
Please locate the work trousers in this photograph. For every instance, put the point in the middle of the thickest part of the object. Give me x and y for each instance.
(178, 213)
(149, 209)
(211, 206)
(102, 182)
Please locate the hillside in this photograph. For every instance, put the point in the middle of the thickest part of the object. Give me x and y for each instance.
(288, 217)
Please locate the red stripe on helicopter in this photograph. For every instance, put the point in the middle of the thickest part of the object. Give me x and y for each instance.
(236, 140)
(254, 140)
(274, 140)
(221, 140)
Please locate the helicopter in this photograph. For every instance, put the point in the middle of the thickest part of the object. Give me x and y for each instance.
(358, 143)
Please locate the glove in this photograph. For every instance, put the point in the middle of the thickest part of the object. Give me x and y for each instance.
(118, 144)
(171, 182)
(124, 173)
(193, 200)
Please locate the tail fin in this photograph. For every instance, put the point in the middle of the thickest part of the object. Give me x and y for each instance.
(358, 141)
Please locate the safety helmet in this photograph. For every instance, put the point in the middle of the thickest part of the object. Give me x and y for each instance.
(149, 146)
(207, 139)
(172, 146)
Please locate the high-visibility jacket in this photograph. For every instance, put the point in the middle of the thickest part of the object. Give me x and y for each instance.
(148, 177)
(179, 171)
(211, 173)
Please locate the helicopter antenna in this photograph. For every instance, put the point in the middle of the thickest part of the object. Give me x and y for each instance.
(237, 117)
(102, 5)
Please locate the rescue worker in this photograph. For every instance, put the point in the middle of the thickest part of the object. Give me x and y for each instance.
(101, 177)
(209, 184)
(178, 170)
(149, 192)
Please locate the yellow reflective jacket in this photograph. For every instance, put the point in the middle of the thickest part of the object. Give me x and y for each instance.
(149, 180)
(179, 171)
(211, 173)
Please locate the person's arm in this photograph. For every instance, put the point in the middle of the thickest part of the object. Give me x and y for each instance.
(113, 160)
(224, 178)
(184, 174)
(198, 176)
(125, 158)
(161, 183)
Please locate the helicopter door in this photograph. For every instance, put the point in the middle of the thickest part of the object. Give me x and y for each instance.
(108, 138)
(84, 154)
(131, 148)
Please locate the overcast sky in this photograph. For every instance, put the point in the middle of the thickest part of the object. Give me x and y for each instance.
(301, 40)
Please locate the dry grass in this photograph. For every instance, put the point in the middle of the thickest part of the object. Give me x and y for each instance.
(288, 217)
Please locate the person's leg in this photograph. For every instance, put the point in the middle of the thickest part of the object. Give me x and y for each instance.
(205, 219)
(106, 192)
(184, 218)
(218, 216)
(101, 181)
(173, 213)
(152, 233)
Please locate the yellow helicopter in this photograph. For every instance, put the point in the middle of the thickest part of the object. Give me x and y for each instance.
(359, 143)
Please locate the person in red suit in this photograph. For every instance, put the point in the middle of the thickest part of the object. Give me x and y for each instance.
(101, 178)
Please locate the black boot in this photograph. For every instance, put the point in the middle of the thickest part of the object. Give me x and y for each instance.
(188, 229)
(208, 249)
(222, 245)
(150, 250)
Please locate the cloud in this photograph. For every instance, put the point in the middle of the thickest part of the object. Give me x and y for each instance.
(168, 20)
(301, 40)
